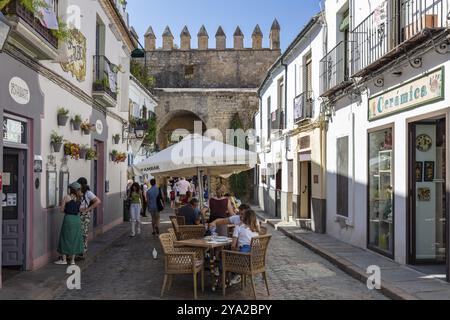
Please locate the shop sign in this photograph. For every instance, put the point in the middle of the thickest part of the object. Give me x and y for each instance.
(75, 51)
(19, 91)
(14, 131)
(421, 91)
(99, 127)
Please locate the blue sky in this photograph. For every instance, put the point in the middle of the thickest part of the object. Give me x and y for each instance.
(291, 14)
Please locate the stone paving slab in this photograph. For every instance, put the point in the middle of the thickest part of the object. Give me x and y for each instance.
(42, 284)
(398, 281)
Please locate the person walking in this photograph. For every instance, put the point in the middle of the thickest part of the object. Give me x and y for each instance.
(71, 238)
(144, 189)
(220, 208)
(136, 201)
(89, 203)
(155, 205)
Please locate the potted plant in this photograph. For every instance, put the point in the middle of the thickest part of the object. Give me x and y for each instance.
(56, 141)
(91, 154)
(98, 85)
(113, 155)
(76, 122)
(116, 138)
(86, 127)
(121, 157)
(63, 117)
(83, 151)
(72, 150)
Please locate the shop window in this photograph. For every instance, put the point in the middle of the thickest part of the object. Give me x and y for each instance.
(342, 176)
(381, 191)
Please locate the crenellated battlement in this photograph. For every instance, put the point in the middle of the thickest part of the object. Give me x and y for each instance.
(221, 39)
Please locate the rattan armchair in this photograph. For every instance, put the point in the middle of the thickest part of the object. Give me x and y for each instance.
(247, 264)
(181, 261)
(187, 232)
(191, 232)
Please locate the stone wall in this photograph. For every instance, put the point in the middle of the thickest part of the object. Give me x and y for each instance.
(210, 68)
(215, 109)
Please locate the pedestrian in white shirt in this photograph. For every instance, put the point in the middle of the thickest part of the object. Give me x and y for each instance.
(183, 186)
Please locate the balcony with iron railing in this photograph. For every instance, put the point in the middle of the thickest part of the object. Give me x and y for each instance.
(104, 88)
(303, 107)
(394, 26)
(277, 120)
(334, 70)
(29, 33)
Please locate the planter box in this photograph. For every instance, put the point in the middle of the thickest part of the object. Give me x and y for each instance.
(427, 21)
(62, 120)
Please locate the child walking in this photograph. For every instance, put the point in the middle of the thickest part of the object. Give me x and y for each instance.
(71, 236)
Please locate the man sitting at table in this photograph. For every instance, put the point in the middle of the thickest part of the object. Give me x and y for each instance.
(190, 213)
(236, 219)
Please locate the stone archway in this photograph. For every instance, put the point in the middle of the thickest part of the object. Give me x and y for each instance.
(177, 120)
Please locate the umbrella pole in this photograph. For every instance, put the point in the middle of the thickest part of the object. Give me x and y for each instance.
(200, 183)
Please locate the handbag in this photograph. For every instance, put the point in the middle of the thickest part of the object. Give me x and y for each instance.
(159, 201)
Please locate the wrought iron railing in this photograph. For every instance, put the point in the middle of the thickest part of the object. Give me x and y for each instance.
(391, 24)
(334, 68)
(105, 76)
(17, 9)
(277, 120)
(303, 107)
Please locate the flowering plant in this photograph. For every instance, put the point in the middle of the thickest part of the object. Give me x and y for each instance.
(91, 154)
(87, 127)
(72, 150)
(118, 157)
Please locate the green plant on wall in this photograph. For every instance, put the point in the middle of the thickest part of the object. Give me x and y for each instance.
(150, 138)
(238, 182)
(142, 74)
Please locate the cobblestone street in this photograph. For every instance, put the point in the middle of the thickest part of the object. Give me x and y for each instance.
(127, 271)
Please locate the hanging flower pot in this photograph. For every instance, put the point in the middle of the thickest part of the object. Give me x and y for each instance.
(116, 139)
(83, 152)
(57, 147)
(56, 141)
(63, 117)
(76, 122)
(87, 128)
(72, 150)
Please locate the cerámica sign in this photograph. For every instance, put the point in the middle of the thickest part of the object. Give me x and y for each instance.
(418, 92)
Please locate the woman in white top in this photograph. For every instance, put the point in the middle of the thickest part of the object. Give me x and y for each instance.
(245, 232)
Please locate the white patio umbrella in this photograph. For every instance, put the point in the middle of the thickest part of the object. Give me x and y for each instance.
(199, 155)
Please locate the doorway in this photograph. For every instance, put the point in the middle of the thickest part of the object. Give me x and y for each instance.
(305, 189)
(13, 201)
(98, 182)
(428, 194)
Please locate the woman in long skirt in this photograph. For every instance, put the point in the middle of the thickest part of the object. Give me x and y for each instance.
(71, 236)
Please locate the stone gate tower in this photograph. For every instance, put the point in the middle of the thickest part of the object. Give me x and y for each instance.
(207, 84)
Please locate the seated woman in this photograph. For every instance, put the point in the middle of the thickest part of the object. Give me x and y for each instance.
(236, 219)
(245, 232)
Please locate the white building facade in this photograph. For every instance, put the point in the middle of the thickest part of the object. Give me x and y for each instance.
(385, 94)
(87, 74)
(290, 134)
(142, 106)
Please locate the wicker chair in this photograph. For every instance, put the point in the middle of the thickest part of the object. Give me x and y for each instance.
(262, 231)
(191, 232)
(247, 264)
(181, 220)
(180, 261)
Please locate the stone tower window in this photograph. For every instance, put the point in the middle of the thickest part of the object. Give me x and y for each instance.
(189, 71)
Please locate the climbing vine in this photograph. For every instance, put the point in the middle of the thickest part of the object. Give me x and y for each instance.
(239, 182)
